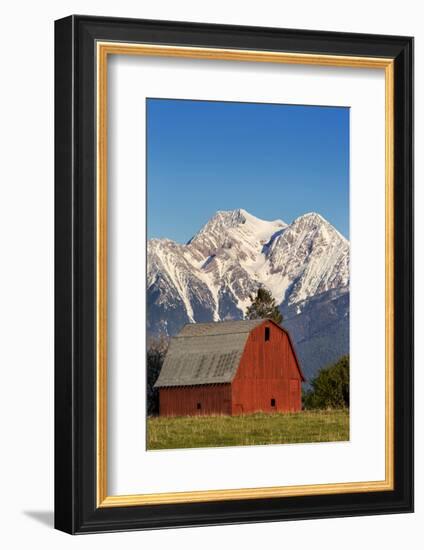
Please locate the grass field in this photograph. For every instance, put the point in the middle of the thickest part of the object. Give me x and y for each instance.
(255, 429)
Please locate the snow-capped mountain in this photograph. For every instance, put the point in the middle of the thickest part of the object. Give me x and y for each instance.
(310, 257)
(305, 265)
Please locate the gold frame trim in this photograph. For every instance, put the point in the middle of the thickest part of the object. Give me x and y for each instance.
(104, 49)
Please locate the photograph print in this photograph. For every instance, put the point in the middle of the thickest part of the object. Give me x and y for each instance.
(247, 274)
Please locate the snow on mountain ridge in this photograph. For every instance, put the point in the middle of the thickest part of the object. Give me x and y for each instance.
(235, 253)
(312, 255)
(314, 217)
(236, 223)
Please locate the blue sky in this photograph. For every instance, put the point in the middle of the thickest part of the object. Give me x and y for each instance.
(275, 161)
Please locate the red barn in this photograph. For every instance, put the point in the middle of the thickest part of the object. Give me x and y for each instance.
(232, 367)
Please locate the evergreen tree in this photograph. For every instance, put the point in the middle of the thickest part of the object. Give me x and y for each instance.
(263, 306)
(156, 351)
(330, 388)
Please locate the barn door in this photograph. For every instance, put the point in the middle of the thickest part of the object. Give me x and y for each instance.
(294, 397)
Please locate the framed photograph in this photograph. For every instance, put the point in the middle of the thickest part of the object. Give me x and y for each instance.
(234, 274)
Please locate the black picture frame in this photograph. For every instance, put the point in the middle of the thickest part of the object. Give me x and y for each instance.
(76, 510)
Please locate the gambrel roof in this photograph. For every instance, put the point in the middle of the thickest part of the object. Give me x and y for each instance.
(206, 353)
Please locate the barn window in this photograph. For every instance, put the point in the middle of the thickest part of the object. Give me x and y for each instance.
(199, 405)
(272, 402)
(267, 334)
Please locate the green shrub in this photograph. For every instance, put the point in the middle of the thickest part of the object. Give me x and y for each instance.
(330, 388)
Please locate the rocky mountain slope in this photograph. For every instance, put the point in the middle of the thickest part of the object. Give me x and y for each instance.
(305, 265)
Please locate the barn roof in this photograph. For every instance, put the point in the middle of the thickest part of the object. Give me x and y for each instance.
(218, 329)
(205, 353)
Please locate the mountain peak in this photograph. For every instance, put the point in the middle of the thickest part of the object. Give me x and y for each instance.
(245, 216)
(219, 222)
(230, 217)
(227, 225)
(313, 220)
(238, 212)
(311, 217)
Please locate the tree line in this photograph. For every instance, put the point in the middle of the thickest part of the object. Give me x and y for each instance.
(156, 351)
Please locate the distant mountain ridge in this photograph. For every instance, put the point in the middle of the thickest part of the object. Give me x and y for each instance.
(305, 265)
